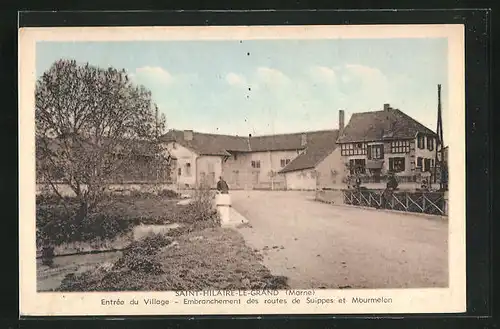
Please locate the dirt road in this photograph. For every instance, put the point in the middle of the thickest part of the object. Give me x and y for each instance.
(318, 245)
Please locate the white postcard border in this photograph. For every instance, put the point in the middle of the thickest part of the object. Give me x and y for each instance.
(435, 300)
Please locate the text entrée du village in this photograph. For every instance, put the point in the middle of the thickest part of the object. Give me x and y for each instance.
(252, 297)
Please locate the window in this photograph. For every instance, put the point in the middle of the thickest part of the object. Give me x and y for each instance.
(179, 171)
(235, 157)
(397, 164)
(427, 164)
(400, 147)
(357, 166)
(375, 151)
(419, 162)
(353, 149)
(188, 169)
(430, 143)
(256, 164)
(284, 162)
(421, 141)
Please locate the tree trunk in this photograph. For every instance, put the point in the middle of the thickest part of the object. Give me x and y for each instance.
(82, 212)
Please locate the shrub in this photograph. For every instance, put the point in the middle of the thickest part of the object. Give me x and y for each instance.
(48, 255)
(139, 257)
(56, 226)
(141, 194)
(166, 193)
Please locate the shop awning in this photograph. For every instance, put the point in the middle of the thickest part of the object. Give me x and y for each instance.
(374, 164)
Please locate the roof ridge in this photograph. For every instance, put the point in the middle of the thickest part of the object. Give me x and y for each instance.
(203, 133)
(415, 120)
(267, 135)
(365, 112)
(297, 133)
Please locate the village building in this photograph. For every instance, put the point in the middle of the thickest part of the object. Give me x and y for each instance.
(285, 161)
(319, 166)
(378, 142)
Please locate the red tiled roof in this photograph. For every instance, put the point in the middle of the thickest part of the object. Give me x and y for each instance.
(380, 125)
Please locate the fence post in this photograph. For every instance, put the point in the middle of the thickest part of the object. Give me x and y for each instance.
(423, 202)
(406, 199)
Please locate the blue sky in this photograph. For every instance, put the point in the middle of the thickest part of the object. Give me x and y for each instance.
(270, 86)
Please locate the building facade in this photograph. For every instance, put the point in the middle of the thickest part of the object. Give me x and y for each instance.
(325, 173)
(378, 142)
(253, 162)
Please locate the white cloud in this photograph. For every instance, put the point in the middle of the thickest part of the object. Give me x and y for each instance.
(363, 88)
(235, 79)
(271, 76)
(156, 73)
(369, 75)
(322, 74)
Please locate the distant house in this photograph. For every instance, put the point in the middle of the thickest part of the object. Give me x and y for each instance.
(318, 166)
(377, 142)
(249, 162)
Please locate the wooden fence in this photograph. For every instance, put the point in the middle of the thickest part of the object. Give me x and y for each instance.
(433, 203)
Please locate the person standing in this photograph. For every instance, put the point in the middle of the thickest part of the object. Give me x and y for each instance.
(222, 186)
(392, 184)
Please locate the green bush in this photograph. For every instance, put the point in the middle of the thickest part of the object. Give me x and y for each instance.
(139, 257)
(56, 225)
(57, 221)
(141, 194)
(166, 193)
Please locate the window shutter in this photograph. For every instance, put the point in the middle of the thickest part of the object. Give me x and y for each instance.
(369, 151)
(381, 152)
(391, 164)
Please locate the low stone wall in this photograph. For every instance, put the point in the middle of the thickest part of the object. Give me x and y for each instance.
(330, 196)
(119, 243)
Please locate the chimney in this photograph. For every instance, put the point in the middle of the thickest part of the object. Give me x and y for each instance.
(303, 141)
(248, 142)
(188, 135)
(341, 122)
(387, 107)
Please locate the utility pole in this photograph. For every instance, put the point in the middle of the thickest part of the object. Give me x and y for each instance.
(440, 143)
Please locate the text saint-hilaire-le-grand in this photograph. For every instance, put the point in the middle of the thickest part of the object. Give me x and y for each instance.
(226, 293)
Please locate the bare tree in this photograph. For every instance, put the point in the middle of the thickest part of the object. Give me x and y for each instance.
(91, 125)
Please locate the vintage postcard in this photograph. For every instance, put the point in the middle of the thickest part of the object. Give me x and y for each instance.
(242, 170)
